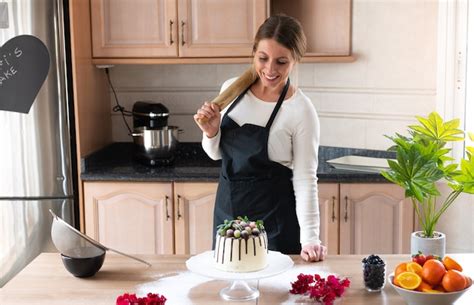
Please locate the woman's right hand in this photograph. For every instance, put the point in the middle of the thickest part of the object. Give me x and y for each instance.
(208, 118)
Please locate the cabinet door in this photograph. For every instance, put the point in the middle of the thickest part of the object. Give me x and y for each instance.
(209, 28)
(131, 217)
(374, 218)
(326, 23)
(329, 216)
(194, 210)
(140, 28)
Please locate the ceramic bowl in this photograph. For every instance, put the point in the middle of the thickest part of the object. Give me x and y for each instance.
(83, 267)
(423, 298)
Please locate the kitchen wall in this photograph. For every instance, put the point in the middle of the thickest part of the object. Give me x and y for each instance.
(457, 222)
(393, 79)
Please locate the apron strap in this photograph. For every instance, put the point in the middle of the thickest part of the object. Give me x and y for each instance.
(278, 105)
(237, 100)
(275, 110)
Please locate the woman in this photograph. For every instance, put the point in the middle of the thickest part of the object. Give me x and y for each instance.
(268, 141)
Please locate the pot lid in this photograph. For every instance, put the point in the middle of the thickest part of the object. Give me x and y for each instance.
(150, 109)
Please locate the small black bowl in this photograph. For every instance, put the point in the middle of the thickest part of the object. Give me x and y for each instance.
(83, 267)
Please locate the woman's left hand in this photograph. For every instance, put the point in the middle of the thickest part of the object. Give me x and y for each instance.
(313, 253)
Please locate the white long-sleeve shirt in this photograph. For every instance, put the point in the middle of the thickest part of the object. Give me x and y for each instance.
(293, 142)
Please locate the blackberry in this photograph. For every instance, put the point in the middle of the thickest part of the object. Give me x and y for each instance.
(373, 272)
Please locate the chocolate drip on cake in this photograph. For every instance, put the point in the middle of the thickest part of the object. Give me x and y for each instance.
(265, 242)
(242, 230)
(223, 250)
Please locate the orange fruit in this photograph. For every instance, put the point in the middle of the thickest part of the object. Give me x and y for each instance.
(433, 272)
(468, 281)
(424, 287)
(453, 280)
(432, 291)
(409, 280)
(414, 267)
(402, 267)
(450, 264)
(395, 282)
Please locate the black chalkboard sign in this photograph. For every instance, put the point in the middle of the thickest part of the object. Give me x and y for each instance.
(24, 65)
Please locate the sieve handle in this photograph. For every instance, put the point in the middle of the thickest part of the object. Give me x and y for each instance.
(130, 256)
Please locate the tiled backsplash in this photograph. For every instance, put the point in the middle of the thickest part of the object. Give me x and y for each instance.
(181, 88)
(393, 79)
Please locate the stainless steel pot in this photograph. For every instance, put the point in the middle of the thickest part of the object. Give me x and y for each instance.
(156, 143)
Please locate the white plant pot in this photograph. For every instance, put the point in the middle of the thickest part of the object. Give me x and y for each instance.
(435, 245)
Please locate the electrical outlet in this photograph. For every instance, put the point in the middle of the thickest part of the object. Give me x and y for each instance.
(4, 15)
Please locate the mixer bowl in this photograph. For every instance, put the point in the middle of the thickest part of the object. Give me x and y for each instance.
(156, 143)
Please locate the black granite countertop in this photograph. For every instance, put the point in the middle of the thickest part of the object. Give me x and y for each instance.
(116, 163)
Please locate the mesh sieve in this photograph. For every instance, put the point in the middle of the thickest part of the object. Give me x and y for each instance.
(71, 242)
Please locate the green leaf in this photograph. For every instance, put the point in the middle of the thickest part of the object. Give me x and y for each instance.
(438, 131)
(453, 124)
(466, 176)
(426, 130)
(422, 159)
(470, 151)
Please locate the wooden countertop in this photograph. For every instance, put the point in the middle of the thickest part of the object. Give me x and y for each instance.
(46, 281)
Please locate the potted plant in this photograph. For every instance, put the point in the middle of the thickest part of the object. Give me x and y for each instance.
(422, 160)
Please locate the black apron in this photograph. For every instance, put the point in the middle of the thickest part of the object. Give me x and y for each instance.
(252, 185)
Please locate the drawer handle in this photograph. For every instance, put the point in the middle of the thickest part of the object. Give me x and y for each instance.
(333, 208)
(179, 213)
(346, 217)
(182, 33)
(171, 32)
(166, 205)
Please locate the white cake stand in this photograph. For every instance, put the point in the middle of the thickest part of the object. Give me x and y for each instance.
(239, 289)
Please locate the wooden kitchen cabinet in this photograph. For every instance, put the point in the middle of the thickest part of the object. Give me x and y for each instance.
(151, 218)
(194, 210)
(368, 218)
(224, 28)
(135, 218)
(326, 23)
(328, 194)
(175, 28)
(167, 218)
(209, 31)
(124, 28)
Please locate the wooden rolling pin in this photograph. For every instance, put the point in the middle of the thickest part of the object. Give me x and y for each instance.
(231, 92)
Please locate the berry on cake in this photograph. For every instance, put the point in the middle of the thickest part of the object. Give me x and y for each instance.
(241, 245)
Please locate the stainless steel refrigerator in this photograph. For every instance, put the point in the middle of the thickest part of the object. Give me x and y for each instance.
(35, 148)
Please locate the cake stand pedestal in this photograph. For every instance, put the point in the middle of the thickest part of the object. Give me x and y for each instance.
(239, 289)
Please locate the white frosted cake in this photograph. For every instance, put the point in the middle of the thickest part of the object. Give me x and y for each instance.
(241, 246)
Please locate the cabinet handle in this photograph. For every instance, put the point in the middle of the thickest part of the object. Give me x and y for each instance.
(179, 213)
(166, 205)
(333, 208)
(171, 32)
(345, 213)
(182, 32)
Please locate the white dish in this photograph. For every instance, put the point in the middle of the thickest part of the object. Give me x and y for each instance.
(204, 264)
(360, 163)
(423, 298)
